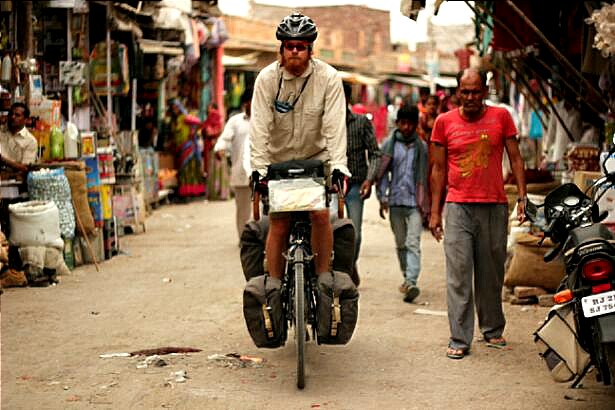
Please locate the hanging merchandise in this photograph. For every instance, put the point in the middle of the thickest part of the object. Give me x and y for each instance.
(72, 73)
(604, 20)
(120, 80)
(535, 125)
(7, 68)
(217, 32)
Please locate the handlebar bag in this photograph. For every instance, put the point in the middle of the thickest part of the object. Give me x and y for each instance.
(262, 310)
(337, 307)
(308, 168)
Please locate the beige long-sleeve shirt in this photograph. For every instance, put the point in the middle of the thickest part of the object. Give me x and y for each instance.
(314, 129)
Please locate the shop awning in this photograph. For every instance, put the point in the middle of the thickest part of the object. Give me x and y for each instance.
(446, 82)
(172, 48)
(418, 82)
(240, 61)
(358, 78)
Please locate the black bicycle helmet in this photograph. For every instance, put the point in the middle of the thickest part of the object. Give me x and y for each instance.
(296, 27)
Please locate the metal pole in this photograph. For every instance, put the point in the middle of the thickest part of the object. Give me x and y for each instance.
(109, 96)
(69, 58)
(133, 107)
(555, 51)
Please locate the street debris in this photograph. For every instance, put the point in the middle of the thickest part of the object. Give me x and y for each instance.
(178, 377)
(567, 397)
(107, 386)
(151, 361)
(94, 313)
(235, 360)
(430, 312)
(73, 397)
(112, 355)
(161, 351)
(167, 280)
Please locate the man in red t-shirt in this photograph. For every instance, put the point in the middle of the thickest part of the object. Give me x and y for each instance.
(467, 148)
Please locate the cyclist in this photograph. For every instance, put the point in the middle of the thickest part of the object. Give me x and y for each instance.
(298, 113)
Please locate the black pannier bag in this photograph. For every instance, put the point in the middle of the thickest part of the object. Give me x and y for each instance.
(252, 251)
(262, 310)
(254, 236)
(338, 308)
(343, 245)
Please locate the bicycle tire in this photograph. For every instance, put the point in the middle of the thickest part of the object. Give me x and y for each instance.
(300, 331)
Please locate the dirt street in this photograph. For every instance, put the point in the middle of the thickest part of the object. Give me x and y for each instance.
(180, 284)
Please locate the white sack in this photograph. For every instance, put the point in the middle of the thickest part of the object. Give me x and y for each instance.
(35, 223)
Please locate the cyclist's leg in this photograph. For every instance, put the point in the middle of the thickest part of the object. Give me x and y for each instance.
(277, 243)
(322, 240)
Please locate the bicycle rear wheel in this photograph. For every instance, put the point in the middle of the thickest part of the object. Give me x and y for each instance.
(300, 331)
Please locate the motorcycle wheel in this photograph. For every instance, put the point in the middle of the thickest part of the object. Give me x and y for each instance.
(300, 316)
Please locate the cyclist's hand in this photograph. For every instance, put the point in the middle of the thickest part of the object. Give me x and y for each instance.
(258, 184)
(338, 180)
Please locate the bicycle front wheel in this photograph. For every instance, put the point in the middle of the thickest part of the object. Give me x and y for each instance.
(300, 331)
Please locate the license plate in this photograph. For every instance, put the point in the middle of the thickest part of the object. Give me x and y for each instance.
(598, 305)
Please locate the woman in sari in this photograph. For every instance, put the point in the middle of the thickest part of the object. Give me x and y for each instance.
(218, 174)
(184, 129)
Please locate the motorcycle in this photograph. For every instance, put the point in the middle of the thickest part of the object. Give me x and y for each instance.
(573, 223)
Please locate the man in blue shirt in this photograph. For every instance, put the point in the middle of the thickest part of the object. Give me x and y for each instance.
(402, 191)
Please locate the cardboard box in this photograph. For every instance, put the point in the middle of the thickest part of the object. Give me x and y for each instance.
(584, 179)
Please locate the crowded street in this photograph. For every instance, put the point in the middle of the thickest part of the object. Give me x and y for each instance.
(180, 284)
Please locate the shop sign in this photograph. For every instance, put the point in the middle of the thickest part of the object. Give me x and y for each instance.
(61, 4)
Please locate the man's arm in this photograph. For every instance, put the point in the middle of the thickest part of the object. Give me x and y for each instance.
(438, 175)
(224, 141)
(516, 163)
(261, 123)
(13, 164)
(334, 124)
(374, 154)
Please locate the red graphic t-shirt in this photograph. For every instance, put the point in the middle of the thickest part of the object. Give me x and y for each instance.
(474, 152)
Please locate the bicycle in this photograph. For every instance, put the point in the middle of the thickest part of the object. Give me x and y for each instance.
(297, 187)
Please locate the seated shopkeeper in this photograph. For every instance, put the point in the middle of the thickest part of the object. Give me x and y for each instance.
(18, 147)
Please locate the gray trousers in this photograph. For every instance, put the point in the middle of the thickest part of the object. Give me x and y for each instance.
(475, 249)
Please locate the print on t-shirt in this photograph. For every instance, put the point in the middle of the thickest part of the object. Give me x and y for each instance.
(476, 156)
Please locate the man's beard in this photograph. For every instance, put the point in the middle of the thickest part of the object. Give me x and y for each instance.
(295, 66)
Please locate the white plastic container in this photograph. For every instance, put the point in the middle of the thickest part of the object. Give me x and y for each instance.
(71, 141)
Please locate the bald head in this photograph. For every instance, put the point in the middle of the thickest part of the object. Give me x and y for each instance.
(472, 74)
(471, 91)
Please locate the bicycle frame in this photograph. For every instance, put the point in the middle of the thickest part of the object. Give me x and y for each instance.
(300, 233)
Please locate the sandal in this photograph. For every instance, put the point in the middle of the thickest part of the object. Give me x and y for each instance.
(496, 342)
(456, 354)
